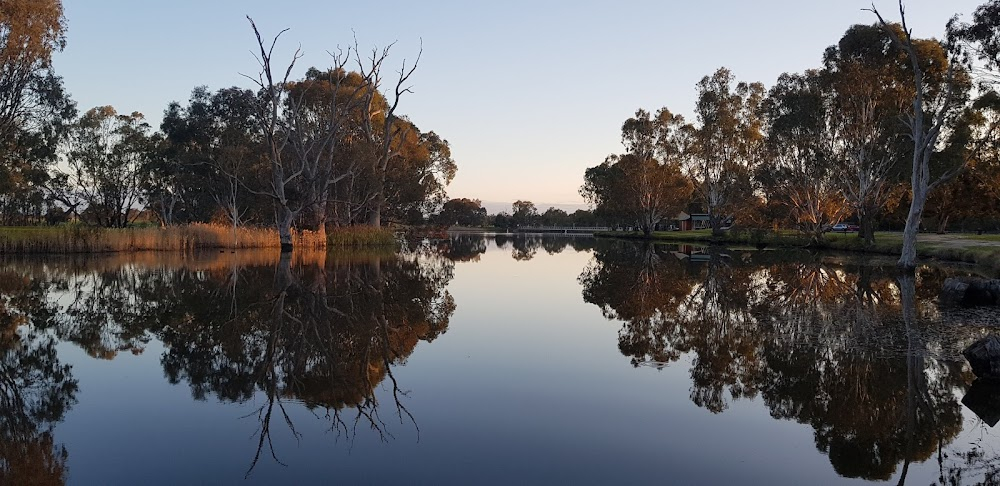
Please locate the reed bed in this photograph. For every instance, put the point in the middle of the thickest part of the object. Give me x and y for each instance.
(76, 238)
(362, 236)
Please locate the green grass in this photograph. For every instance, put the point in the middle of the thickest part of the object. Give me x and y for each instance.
(985, 256)
(885, 243)
(362, 236)
(982, 237)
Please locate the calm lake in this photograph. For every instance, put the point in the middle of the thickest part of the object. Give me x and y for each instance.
(490, 360)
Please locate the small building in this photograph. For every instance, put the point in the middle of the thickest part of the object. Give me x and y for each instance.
(688, 222)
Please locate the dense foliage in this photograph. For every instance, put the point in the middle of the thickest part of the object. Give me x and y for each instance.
(327, 150)
(831, 144)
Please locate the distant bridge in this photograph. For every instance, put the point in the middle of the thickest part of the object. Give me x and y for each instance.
(563, 230)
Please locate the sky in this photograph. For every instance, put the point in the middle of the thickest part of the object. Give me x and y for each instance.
(528, 93)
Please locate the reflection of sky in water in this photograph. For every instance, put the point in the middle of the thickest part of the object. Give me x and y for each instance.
(527, 385)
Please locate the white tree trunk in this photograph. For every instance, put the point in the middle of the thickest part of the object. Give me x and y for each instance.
(285, 229)
(908, 257)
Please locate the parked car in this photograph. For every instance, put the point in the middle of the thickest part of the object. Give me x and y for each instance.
(845, 228)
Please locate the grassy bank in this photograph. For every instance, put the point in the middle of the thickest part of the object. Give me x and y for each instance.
(362, 236)
(978, 249)
(75, 238)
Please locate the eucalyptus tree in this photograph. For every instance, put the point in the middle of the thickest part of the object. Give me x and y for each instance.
(554, 217)
(323, 112)
(34, 108)
(30, 32)
(301, 134)
(412, 186)
(463, 212)
(28, 152)
(234, 151)
(867, 76)
(598, 189)
(212, 150)
(108, 159)
(659, 191)
(645, 185)
(382, 127)
(523, 213)
(417, 177)
(305, 123)
(802, 172)
(986, 139)
(727, 143)
(654, 185)
(982, 35)
(935, 109)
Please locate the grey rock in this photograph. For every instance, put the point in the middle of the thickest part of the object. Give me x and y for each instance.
(969, 292)
(984, 356)
(953, 291)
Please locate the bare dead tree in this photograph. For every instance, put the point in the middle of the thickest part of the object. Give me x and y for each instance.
(381, 140)
(303, 134)
(309, 337)
(315, 131)
(301, 138)
(273, 91)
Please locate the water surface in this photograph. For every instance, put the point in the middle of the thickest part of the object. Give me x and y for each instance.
(489, 360)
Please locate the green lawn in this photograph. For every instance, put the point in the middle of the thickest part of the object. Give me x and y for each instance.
(981, 237)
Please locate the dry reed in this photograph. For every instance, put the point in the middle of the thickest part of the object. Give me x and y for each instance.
(74, 238)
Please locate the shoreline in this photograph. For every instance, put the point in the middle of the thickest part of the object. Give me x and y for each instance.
(983, 250)
(76, 239)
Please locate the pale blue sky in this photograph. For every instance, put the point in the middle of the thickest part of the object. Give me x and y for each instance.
(528, 93)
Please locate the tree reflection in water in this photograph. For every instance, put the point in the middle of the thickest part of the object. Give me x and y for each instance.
(325, 335)
(843, 346)
(847, 348)
(468, 247)
(36, 389)
(324, 331)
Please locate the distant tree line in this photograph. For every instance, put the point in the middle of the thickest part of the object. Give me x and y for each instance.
(891, 130)
(330, 149)
(471, 213)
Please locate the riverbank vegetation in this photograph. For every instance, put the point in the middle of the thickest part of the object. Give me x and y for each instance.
(362, 236)
(888, 131)
(981, 250)
(287, 158)
(81, 238)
